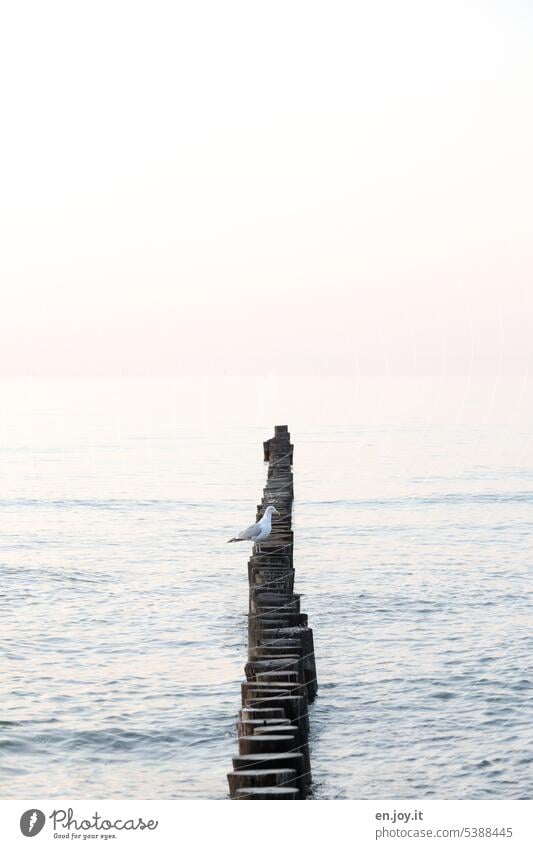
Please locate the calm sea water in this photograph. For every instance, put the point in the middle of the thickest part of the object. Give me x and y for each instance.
(123, 609)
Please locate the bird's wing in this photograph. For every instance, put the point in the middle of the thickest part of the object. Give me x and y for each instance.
(250, 532)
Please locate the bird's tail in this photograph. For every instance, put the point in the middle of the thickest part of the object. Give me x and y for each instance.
(237, 539)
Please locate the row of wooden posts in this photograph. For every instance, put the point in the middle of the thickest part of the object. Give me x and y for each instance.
(273, 727)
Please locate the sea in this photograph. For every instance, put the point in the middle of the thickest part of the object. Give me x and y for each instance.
(123, 609)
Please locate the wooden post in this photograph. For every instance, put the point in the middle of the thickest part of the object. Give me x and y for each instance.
(280, 673)
(278, 794)
(245, 779)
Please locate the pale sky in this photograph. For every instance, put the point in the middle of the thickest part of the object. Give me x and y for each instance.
(282, 187)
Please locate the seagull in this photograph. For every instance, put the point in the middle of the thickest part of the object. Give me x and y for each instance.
(260, 531)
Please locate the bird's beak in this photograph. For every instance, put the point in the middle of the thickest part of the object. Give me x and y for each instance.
(276, 511)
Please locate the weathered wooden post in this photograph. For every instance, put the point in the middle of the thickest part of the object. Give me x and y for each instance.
(280, 674)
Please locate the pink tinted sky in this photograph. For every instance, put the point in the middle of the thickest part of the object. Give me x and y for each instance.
(298, 188)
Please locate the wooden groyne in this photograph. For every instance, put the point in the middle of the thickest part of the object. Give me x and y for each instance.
(273, 759)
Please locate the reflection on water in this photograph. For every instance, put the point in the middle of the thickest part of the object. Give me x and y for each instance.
(123, 610)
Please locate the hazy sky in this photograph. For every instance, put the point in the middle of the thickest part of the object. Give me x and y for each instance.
(281, 187)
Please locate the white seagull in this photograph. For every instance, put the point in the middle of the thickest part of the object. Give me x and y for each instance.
(260, 531)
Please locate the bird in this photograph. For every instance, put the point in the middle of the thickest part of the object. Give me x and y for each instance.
(260, 531)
